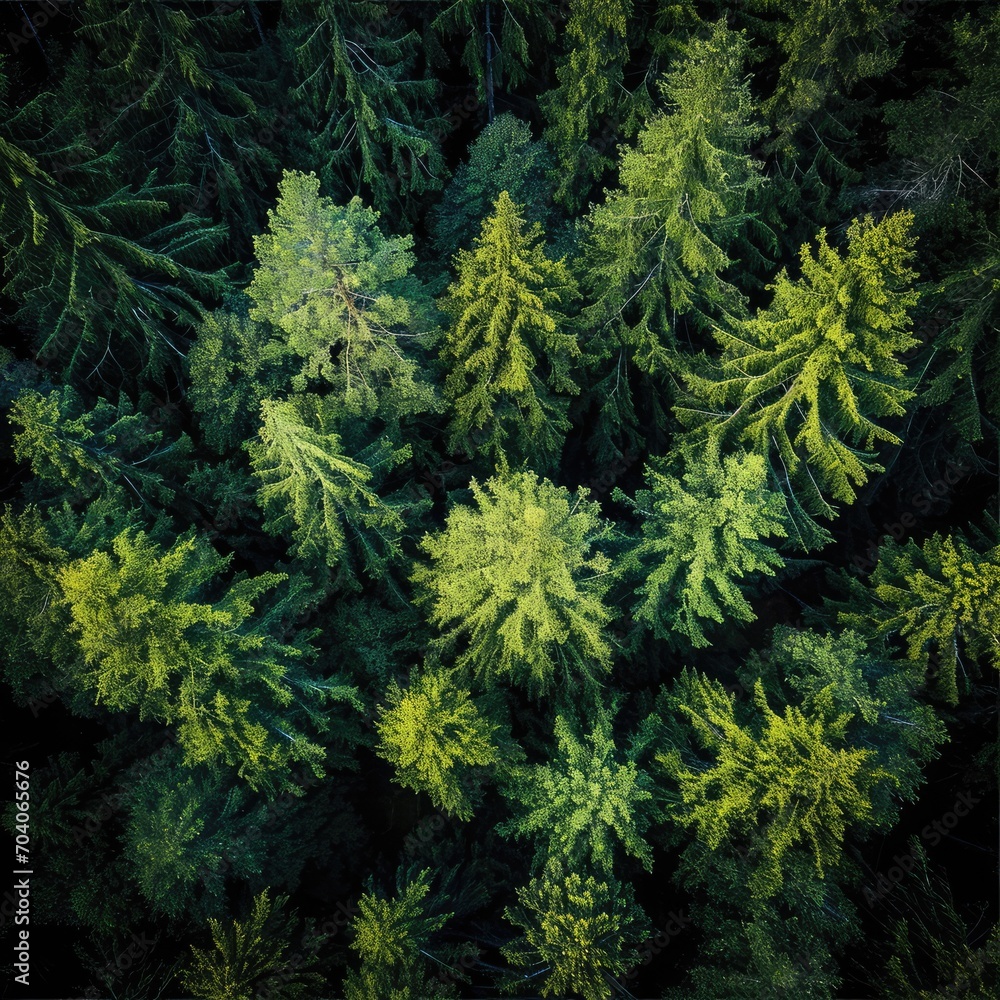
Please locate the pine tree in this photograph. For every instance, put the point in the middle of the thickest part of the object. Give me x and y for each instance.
(941, 598)
(252, 955)
(582, 804)
(433, 734)
(150, 640)
(343, 295)
(507, 348)
(391, 935)
(518, 578)
(700, 533)
(577, 932)
(590, 79)
(782, 777)
(321, 497)
(369, 110)
(503, 157)
(810, 375)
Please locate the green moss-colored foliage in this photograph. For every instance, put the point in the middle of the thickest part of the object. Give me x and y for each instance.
(252, 956)
(584, 804)
(577, 931)
(508, 348)
(703, 534)
(808, 378)
(516, 583)
(433, 734)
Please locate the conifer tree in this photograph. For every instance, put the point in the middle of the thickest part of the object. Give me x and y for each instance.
(577, 932)
(784, 776)
(312, 491)
(582, 804)
(590, 79)
(251, 956)
(809, 376)
(343, 295)
(507, 348)
(433, 734)
(369, 109)
(390, 936)
(517, 578)
(941, 598)
(701, 533)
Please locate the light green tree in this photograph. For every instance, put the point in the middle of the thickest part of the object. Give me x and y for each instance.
(508, 350)
(701, 534)
(577, 932)
(312, 491)
(942, 598)
(344, 297)
(782, 776)
(433, 734)
(584, 803)
(391, 937)
(518, 579)
(810, 375)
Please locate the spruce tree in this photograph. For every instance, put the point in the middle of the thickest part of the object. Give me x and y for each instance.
(577, 932)
(508, 348)
(516, 582)
(433, 734)
(702, 534)
(807, 378)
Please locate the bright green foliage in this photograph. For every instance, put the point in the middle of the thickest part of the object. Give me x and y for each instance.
(235, 364)
(83, 451)
(577, 933)
(355, 66)
(658, 244)
(318, 495)
(590, 85)
(517, 578)
(783, 776)
(342, 294)
(828, 46)
(507, 348)
(942, 598)
(583, 803)
(504, 157)
(810, 374)
(699, 534)
(150, 640)
(432, 733)
(390, 935)
(192, 98)
(251, 956)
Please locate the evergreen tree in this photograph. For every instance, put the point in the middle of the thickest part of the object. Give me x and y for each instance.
(699, 533)
(507, 348)
(583, 803)
(781, 776)
(343, 295)
(390, 936)
(577, 932)
(433, 733)
(518, 579)
(368, 108)
(252, 955)
(314, 492)
(809, 376)
(941, 598)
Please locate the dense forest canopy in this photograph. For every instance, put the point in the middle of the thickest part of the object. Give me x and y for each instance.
(503, 497)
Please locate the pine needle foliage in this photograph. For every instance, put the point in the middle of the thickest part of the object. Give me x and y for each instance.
(508, 348)
(516, 584)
